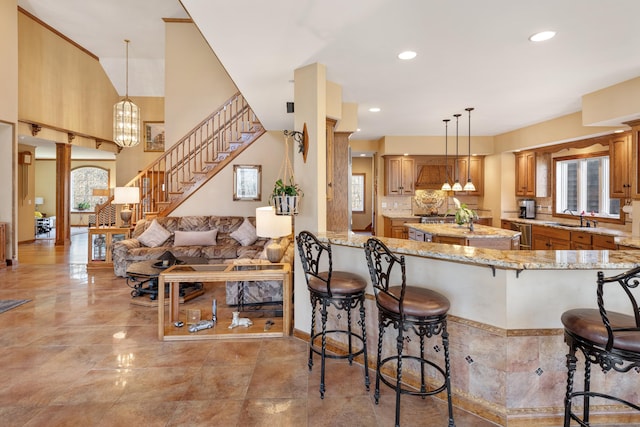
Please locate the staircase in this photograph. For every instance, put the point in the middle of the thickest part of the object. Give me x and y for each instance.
(193, 160)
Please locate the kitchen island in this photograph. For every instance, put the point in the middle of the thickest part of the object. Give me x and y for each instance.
(482, 236)
(508, 359)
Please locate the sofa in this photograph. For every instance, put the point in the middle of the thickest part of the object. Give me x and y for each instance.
(219, 239)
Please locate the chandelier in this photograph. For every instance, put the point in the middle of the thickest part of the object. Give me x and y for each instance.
(126, 117)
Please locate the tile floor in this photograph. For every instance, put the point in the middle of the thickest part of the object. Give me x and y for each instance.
(80, 354)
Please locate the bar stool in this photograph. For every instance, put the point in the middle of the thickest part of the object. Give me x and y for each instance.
(607, 338)
(407, 308)
(341, 289)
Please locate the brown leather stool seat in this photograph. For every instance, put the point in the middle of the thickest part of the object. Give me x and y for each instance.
(408, 309)
(610, 339)
(342, 290)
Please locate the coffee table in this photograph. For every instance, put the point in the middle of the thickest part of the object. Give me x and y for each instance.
(142, 277)
(170, 280)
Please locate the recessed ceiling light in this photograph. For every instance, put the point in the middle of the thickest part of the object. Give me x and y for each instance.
(363, 155)
(542, 36)
(374, 109)
(358, 130)
(618, 131)
(407, 54)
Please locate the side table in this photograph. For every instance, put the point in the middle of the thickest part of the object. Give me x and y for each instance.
(100, 241)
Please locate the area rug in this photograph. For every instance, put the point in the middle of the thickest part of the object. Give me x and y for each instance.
(8, 304)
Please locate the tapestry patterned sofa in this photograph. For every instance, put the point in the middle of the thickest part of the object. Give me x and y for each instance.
(219, 239)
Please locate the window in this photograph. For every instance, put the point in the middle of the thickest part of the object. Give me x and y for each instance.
(357, 192)
(582, 185)
(83, 180)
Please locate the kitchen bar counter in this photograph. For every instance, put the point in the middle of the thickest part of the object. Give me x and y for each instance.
(572, 225)
(454, 230)
(499, 259)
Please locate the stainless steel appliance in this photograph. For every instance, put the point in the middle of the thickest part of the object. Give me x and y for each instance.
(525, 238)
(527, 208)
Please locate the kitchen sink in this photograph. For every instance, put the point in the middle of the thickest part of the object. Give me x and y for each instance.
(561, 224)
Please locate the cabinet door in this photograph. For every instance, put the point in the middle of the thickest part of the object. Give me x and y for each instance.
(393, 176)
(540, 243)
(408, 175)
(526, 174)
(476, 169)
(620, 166)
(399, 232)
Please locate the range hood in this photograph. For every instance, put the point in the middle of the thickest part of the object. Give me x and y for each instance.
(431, 177)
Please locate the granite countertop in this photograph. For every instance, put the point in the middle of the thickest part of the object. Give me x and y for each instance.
(454, 230)
(507, 259)
(571, 225)
(393, 215)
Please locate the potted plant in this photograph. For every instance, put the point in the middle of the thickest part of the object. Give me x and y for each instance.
(285, 197)
(83, 206)
(463, 214)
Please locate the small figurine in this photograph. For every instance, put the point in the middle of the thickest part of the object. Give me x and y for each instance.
(239, 321)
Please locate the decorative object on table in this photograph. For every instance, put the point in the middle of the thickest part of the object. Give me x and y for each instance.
(286, 192)
(154, 136)
(8, 304)
(126, 196)
(214, 311)
(464, 215)
(201, 325)
(302, 138)
(236, 320)
(247, 182)
(268, 224)
(193, 316)
(126, 116)
(38, 201)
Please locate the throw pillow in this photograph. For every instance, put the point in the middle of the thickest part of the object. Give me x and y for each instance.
(154, 236)
(191, 238)
(245, 234)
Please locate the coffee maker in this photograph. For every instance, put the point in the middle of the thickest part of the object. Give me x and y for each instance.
(527, 208)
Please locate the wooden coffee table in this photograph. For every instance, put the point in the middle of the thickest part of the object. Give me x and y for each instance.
(171, 279)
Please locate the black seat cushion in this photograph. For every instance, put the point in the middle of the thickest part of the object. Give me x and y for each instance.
(342, 283)
(418, 302)
(587, 323)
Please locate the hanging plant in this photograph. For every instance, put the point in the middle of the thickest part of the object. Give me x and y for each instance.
(286, 192)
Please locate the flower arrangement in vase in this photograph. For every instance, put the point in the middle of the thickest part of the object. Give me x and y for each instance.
(463, 214)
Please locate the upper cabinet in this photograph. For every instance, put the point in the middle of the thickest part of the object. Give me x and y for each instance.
(620, 161)
(476, 169)
(526, 174)
(399, 173)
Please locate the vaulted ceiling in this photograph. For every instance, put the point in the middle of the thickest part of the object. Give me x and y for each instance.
(470, 53)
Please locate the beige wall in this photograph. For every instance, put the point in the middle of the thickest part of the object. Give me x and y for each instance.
(61, 85)
(196, 84)
(359, 221)
(8, 119)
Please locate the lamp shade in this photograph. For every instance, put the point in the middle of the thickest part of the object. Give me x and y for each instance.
(126, 195)
(268, 224)
(39, 200)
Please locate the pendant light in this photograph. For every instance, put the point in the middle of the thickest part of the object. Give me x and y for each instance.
(469, 185)
(126, 117)
(446, 186)
(456, 184)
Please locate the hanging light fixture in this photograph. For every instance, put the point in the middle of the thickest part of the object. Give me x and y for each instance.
(446, 186)
(456, 184)
(469, 185)
(126, 117)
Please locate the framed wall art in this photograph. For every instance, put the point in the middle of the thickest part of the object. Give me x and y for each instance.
(154, 136)
(247, 182)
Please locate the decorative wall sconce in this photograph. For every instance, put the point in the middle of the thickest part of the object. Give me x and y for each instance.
(302, 138)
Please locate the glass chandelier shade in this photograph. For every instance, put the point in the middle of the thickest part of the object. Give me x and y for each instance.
(446, 186)
(126, 117)
(469, 185)
(456, 184)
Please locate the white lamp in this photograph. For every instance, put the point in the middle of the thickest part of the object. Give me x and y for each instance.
(38, 201)
(268, 224)
(125, 196)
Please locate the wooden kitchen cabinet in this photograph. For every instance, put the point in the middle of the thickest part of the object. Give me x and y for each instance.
(399, 176)
(526, 174)
(549, 238)
(601, 242)
(477, 175)
(394, 227)
(620, 161)
(581, 240)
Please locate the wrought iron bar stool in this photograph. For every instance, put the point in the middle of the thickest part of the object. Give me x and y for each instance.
(407, 308)
(607, 338)
(341, 289)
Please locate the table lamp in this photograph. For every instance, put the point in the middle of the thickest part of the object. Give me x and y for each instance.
(268, 224)
(38, 201)
(126, 196)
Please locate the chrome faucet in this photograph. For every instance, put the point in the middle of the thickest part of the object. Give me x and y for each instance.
(581, 217)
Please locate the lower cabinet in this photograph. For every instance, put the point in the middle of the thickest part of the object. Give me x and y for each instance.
(394, 227)
(600, 242)
(549, 238)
